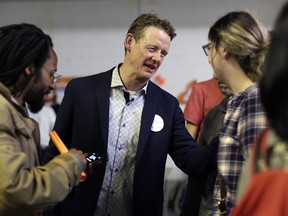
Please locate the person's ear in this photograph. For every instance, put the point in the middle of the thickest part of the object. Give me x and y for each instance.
(224, 52)
(128, 41)
(29, 70)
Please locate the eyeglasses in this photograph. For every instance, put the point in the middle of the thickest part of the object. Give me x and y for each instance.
(54, 76)
(206, 48)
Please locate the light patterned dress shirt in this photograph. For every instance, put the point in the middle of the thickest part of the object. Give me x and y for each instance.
(124, 126)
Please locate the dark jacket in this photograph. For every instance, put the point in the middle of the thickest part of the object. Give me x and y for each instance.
(82, 122)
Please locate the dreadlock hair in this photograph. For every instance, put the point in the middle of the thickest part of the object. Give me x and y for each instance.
(20, 46)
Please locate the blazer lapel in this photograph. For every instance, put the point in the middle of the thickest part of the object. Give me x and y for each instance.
(102, 96)
(149, 111)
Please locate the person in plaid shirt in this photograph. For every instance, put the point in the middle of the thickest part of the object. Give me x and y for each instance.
(236, 49)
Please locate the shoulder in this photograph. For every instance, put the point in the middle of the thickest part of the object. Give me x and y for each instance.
(5, 108)
(7, 105)
(252, 93)
(92, 78)
(207, 87)
(155, 90)
(91, 81)
(207, 83)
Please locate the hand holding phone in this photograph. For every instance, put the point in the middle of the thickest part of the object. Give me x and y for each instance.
(63, 149)
(92, 160)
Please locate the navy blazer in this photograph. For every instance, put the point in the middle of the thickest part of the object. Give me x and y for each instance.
(82, 123)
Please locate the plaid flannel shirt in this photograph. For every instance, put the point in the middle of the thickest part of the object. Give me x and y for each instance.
(244, 121)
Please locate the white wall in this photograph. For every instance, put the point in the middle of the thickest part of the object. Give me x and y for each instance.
(88, 35)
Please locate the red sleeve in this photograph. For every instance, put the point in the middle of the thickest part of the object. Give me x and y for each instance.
(194, 109)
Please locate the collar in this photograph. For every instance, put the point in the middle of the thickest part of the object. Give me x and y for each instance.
(117, 81)
(7, 94)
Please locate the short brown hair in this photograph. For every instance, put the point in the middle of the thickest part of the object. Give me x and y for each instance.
(147, 20)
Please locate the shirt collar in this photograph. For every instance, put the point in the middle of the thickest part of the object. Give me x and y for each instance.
(117, 82)
(7, 94)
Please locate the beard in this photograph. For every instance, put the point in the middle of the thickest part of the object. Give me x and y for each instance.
(35, 99)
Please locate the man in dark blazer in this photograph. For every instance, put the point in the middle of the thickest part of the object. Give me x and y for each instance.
(86, 120)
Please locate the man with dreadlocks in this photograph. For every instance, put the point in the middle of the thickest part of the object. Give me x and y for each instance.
(28, 66)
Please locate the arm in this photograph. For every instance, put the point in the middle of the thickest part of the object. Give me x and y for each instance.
(191, 159)
(24, 185)
(194, 111)
(192, 129)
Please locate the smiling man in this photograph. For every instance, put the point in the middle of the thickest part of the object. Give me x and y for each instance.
(133, 124)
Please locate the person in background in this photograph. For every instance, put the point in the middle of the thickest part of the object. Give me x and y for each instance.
(46, 119)
(282, 16)
(237, 44)
(28, 65)
(133, 124)
(203, 97)
(51, 100)
(199, 191)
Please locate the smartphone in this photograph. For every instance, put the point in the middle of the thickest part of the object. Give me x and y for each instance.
(93, 159)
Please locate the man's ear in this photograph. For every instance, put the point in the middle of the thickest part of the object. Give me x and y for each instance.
(128, 41)
(29, 70)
